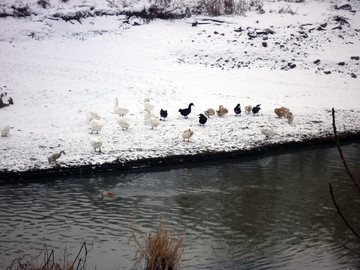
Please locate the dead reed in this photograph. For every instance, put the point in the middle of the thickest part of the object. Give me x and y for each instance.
(46, 261)
(159, 251)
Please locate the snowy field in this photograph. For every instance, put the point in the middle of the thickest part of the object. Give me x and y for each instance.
(57, 71)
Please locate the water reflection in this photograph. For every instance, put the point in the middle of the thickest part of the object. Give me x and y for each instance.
(270, 212)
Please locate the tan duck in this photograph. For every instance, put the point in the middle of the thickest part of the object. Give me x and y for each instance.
(248, 109)
(281, 112)
(222, 111)
(290, 117)
(106, 194)
(55, 157)
(209, 112)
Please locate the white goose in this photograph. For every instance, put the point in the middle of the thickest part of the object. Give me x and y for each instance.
(148, 105)
(267, 131)
(90, 115)
(96, 125)
(119, 110)
(153, 122)
(5, 129)
(96, 143)
(149, 114)
(123, 124)
(151, 119)
(187, 134)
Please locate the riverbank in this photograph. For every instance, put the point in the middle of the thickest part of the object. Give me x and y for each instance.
(153, 163)
(56, 71)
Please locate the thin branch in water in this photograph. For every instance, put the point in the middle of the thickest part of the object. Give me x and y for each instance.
(351, 249)
(341, 214)
(341, 153)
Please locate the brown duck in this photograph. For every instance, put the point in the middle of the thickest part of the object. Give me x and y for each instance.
(222, 111)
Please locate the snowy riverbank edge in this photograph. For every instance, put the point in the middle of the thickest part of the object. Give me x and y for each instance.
(159, 162)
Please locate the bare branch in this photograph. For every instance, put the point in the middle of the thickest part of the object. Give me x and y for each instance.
(341, 153)
(352, 250)
(341, 214)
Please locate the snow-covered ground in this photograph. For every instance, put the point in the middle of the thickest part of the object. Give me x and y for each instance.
(56, 71)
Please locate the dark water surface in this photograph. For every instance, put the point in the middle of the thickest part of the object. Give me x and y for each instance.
(272, 212)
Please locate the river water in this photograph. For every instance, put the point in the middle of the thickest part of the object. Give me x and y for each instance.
(269, 212)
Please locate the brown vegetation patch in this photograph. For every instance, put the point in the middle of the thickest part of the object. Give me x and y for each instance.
(159, 251)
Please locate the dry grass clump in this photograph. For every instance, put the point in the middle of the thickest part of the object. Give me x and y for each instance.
(159, 251)
(46, 261)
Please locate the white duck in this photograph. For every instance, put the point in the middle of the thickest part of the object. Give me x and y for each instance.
(123, 124)
(96, 143)
(119, 110)
(148, 105)
(90, 115)
(267, 131)
(151, 119)
(153, 122)
(187, 134)
(149, 114)
(5, 129)
(96, 125)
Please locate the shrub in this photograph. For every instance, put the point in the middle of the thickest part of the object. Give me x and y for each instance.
(159, 251)
(44, 3)
(22, 11)
(287, 9)
(227, 7)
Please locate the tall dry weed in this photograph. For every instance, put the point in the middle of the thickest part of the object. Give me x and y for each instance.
(159, 251)
(46, 261)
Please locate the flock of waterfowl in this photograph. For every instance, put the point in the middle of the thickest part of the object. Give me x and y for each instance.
(153, 120)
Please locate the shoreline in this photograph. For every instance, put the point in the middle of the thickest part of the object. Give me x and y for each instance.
(147, 163)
